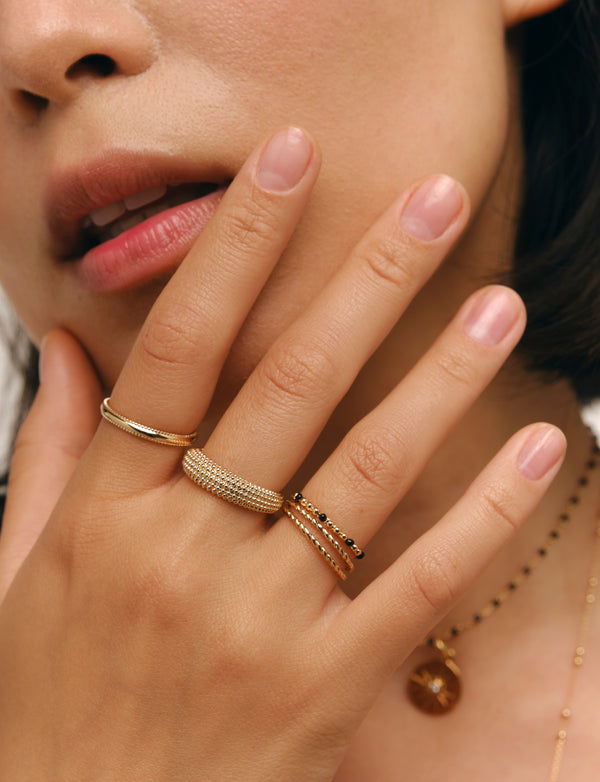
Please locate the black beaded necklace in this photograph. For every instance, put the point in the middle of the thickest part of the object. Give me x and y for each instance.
(435, 685)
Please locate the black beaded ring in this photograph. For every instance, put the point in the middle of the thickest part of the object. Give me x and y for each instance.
(300, 500)
(294, 512)
(301, 510)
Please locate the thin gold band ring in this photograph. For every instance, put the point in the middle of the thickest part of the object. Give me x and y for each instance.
(143, 431)
(300, 510)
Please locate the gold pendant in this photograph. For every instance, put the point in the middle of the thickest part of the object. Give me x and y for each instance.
(435, 686)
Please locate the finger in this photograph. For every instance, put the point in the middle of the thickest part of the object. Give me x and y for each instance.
(58, 429)
(376, 463)
(284, 405)
(381, 457)
(392, 615)
(169, 378)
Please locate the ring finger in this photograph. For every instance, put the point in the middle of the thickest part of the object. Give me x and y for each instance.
(379, 459)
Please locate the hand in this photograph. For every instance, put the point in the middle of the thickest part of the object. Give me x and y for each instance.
(157, 632)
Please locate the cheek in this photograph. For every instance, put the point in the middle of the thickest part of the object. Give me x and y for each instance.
(24, 281)
(393, 93)
(391, 90)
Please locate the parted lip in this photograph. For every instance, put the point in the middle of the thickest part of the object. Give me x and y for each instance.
(71, 194)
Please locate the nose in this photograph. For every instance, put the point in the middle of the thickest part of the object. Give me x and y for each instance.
(51, 49)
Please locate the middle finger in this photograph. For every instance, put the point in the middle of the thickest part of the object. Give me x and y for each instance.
(286, 402)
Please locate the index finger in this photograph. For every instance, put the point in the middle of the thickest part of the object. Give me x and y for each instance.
(169, 378)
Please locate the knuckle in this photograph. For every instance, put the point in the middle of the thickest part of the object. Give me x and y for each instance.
(62, 446)
(240, 648)
(298, 373)
(250, 223)
(25, 438)
(388, 263)
(500, 507)
(26, 442)
(373, 461)
(456, 367)
(72, 545)
(158, 591)
(88, 533)
(435, 579)
(248, 650)
(169, 341)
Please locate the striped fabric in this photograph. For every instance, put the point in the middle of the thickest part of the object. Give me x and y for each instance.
(3, 481)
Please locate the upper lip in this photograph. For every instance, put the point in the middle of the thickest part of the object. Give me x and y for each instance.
(71, 194)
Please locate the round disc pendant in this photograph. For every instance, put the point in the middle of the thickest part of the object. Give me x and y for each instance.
(434, 687)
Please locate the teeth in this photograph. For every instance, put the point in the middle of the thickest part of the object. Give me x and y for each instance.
(129, 221)
(137, 200)
(125, 224)
(155, 209)
(106, 214)
(114, 219)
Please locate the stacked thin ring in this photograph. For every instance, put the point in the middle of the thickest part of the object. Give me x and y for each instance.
(227, 485)
(298, 507)
(143, 431)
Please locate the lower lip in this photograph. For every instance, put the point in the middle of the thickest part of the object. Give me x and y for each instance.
(147, 251)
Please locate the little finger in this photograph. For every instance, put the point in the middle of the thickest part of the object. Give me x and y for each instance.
(377, 630)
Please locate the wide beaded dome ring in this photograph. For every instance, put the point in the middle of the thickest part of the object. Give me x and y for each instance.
(227, 485)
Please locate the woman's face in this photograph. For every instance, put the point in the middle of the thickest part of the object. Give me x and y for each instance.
(391, 90)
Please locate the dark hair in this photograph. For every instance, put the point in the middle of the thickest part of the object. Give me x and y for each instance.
(557, 260)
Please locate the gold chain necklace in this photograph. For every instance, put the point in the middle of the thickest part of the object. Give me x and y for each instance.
(435, 685)
(579, 656)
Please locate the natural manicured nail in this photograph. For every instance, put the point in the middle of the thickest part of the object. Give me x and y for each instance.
(432, 208)
(284, 160)
(541, 452)
(492, 316)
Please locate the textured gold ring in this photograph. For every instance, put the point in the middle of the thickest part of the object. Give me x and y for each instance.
(143, 431)
(289, 512)
(300, 510)
(227, 485)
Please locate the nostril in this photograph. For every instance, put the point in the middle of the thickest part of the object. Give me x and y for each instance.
(92, 65)
(31, 104)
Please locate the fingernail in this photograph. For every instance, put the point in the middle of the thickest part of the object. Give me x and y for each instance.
(492, 316)
(432, 208)
(541, 452)
(284, 160)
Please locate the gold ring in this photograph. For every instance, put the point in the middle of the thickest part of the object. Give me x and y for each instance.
(227, 485)
(298, 507)
(145, 432)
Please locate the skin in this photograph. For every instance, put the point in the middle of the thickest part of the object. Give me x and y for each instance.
(304, 41)
(390, 93)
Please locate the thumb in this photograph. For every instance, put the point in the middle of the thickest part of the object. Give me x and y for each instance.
(56, 432)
